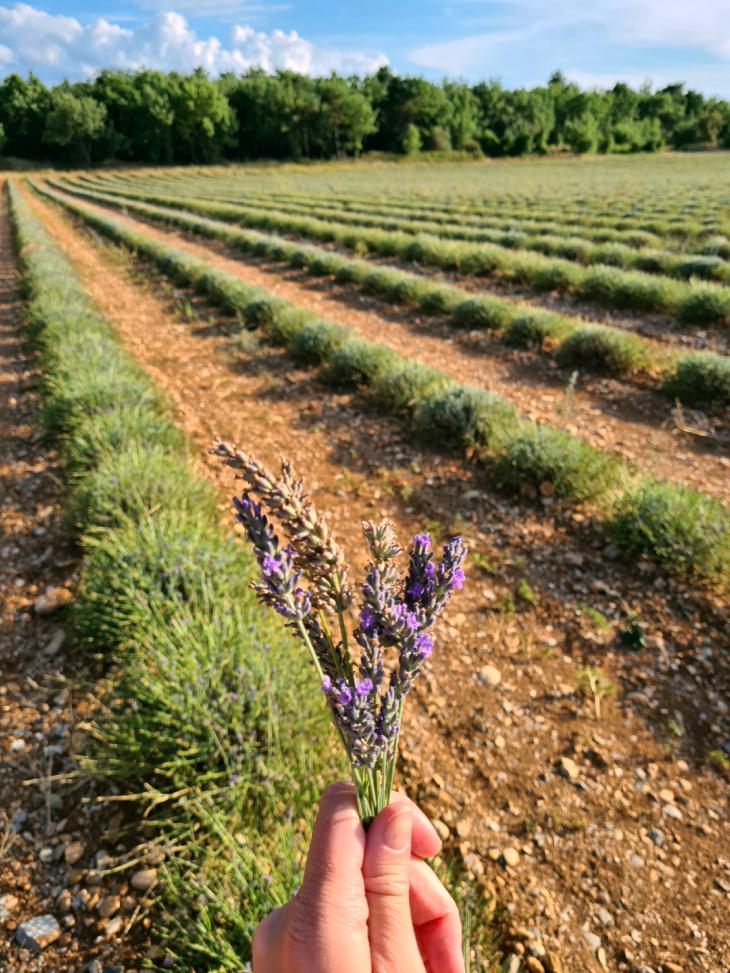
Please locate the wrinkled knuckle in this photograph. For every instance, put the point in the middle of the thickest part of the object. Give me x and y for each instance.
(388, 880)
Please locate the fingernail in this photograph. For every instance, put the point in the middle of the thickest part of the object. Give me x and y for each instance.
(397, 833)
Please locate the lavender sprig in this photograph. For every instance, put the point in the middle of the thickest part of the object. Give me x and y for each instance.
(368, 668)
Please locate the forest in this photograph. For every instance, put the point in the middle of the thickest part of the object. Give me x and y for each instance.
(163, 118)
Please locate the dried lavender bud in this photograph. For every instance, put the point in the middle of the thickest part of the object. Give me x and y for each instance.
(317, 554)
(354, 714)
(381, 540)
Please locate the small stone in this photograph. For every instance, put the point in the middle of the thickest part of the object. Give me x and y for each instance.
(442, 829)
(73, 852)
(636, 860)
(17, 745)
(513, 963)
(553, 962)
(568, 768)
(93, 967)
(113, 926)
(592, 939)
(46, 855)
(666, 795)
(534, 965)
(9, 903)
(605, 917)
(51, 600)
(108, 906)
(490, 675)
(602, 958)
(56, 644)
(144, 879)
(510, 857)
(672, 811)
(37, 933)
(668, 967)
(463, 827)
(655, 836)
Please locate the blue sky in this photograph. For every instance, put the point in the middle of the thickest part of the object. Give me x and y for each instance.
(521, 42)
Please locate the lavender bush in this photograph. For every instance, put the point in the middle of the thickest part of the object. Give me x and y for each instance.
(367, 659)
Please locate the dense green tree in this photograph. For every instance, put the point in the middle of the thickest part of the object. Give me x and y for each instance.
(74, 122)
(157, 117)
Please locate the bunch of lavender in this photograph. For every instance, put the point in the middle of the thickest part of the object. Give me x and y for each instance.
(365, 668)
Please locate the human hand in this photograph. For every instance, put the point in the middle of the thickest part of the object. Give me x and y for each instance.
(368, 903)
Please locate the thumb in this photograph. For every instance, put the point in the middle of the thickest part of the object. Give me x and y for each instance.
(386, 872)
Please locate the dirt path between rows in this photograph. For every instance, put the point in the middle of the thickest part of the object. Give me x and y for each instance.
(631, 422)
(604, 839)
(45, 690)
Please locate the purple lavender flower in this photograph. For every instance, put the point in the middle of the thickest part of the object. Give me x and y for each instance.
(364, 687)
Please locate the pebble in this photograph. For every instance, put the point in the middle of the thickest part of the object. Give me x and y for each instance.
(144, 879)
(655, 836)
(553, 962)
(592, 939)
(9, 902)
(463, 828)
(605, 917)
(534, 965)
(108, 906)
(490, 675)
(671, 967)
(672, 811)
(510, 856)
(513, 963)
(442, 829)
(51, 600)
(113, 926)
(568, 768)
(37, 933)
(73, 852)
(636, 860)
(666, 796)
(601, 957)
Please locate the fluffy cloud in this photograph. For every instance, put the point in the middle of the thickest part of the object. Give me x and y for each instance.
(57, 46)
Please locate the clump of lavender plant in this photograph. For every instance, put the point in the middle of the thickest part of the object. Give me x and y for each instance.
(366, 668)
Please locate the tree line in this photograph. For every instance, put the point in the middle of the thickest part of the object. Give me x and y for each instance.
(158, 117)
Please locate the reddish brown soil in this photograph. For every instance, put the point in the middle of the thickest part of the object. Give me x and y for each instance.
(634, 848)
(615, 417)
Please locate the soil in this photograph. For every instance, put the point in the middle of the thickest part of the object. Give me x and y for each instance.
(46, 692)
(603, 835)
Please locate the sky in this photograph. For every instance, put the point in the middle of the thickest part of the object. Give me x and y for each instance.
(520, 42)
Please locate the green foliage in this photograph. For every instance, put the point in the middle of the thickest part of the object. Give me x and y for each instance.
(317, 341)
(73, 122)
(685, 531)
(706, 305)
(534, 328)
(482, 312)
(525, 592)
(608, 349)
(357, 362)
(399, 387)
(701, 377)
(461, 416)
(532, 454)
(411, 144)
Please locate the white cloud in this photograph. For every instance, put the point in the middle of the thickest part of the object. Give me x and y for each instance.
(57, 46)
(525, 39)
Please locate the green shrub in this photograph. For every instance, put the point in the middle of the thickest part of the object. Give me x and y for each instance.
(705, 267)
(286, 323)
(706, 305)
(136, 482)
(353, 272)
(439, 300)
(262, 311)
(401, 385)
(609, 349)
(529, 453)
(686, 532)
(317, 341)
(621, 288)
(357, 362)
(534, 329)
(461, 416)
(556, 277)
(699, 378)
(482, 312)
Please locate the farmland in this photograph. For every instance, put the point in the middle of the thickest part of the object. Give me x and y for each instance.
(532, 353)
